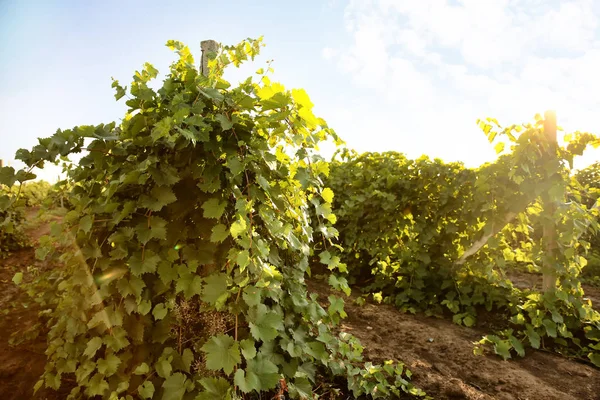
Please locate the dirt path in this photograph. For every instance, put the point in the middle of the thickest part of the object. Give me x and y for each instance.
(440, 355)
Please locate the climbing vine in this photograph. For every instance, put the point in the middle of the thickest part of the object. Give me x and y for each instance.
(589, 179)
(184, 254)
(12, 213)
(440, 238)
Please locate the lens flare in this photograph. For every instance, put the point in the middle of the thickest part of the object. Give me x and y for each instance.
(109, 276)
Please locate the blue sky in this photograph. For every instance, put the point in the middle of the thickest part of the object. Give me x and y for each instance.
(386, 74)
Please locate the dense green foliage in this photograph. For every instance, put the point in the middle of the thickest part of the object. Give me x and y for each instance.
(14, 202)
(58, 195)
(12, 216)
(589, 178)
(405, 222)
(35, 193)
(409, 228)
(185, 253)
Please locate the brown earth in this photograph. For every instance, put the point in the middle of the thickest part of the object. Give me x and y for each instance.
(438, 352)
(440, 355)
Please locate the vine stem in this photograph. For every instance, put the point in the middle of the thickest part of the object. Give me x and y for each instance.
(179, 344)
(236, 316)
(235, 333)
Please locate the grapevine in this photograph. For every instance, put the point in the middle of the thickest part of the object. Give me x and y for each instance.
(184, 254)
(440, 238)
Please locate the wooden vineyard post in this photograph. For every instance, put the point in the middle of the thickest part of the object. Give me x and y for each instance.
(207, 46)
(62, 203)
(549, 242)
(1, 163)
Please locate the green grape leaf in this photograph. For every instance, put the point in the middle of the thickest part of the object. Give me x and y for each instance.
(264, 324)
(219, 233)
(235, 165)
(302, 387)
(92, 347)
(167, 272)
(499, 147)
(214, 389)
(247, 382)
(117, 339)
(226, 124)
(131, 287)
(213, 208)
(161, 197)
(550, 327)
(162, 128)
(502, 348)
(190, 284)
(146, 390)
(243, 259)
(252, 296)
(237, 228)
(97, 386)
(215, 289)
(160, 311)
(248, 348)
(143, 262)
(120, 90)
(469, 321)
(174, 387)
(154, 228)
(122, 386)
(222, 352)
(339, 283)
(533, 336)
(109, 365)
(336, 306)
(163, 368)
(187, 358)
(85, 369)
(144, 307)
(85, 223)
(18, 278)
(517, 345)
(327, 195)
(7, 176)
(142, 369)
(260, 375)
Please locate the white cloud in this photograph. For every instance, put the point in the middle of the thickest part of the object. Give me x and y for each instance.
(328, 53)
(438, 65)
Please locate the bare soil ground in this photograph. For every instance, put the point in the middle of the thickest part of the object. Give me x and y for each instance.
(438, 352)
(440, 355)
